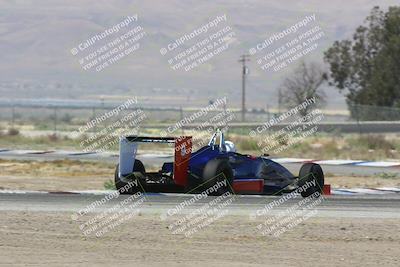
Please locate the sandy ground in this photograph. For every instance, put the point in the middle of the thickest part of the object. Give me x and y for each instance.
(85, 175)
(55, 175)
(361, 181)
(53, 239)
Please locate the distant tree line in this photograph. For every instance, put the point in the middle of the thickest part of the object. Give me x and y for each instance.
(366, 68)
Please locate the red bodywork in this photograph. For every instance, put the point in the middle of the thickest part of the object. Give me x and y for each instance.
(183, 151)
(248, 186)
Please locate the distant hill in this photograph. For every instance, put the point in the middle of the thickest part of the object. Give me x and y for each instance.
(36, 39)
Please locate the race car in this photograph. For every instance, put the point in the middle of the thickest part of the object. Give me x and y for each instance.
(215, 166)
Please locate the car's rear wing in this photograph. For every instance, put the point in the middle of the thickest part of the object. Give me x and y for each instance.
(183, 148)
(150, 139)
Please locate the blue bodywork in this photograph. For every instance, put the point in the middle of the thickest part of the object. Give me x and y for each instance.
(200, 165)
(275, 176)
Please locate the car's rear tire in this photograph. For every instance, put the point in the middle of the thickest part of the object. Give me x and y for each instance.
(216, 171)
(310, 172)
(121, 185)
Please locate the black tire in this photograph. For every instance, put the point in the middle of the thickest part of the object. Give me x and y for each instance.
(217, 170)
(308, 173)
(119, 184)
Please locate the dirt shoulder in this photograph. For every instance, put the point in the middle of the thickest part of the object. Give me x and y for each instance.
(55, 175)
(32, 238)
(362, 181)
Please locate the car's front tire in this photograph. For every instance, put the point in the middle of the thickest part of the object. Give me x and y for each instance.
(309, 173)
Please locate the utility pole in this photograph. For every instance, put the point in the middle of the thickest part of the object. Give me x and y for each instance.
(279, 101)
(55, 120)
(243, 59)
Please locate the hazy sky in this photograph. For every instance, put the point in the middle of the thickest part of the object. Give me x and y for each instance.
(36, 42)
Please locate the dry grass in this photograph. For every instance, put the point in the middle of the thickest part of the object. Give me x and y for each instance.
(322, 146)
(54, 175)
(58, 175)
(56, 168)
(318, 146)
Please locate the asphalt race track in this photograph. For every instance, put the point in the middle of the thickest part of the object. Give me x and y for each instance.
(367, 206)
(351, 206)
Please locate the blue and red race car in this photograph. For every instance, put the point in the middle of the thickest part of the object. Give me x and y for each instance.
(216, 165)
